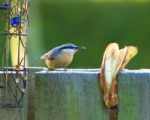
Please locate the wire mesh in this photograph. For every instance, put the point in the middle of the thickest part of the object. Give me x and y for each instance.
(14, 22)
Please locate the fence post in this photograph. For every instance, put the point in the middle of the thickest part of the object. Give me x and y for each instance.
(69, 95)
(75, 95)
(134, 95)
(31, 74)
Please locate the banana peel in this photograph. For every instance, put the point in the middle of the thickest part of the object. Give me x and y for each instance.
(114, 59)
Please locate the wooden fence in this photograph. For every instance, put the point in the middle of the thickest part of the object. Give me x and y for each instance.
(75, 95)
(9, 110)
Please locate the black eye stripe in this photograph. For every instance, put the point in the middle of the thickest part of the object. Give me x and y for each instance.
(68, 47)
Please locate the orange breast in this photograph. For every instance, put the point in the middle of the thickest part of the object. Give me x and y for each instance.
(61, 61)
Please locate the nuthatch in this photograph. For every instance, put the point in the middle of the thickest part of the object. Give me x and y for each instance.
(61, 56)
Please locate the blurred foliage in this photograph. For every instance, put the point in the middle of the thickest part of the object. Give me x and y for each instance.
(92, 24)
(96, 0)
(3, 27)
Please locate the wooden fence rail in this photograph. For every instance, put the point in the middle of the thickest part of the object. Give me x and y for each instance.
(134, 95)
(26, 110)
(69, 95)
(75, 95)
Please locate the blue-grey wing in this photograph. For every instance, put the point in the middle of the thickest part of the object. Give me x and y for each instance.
(53, 53)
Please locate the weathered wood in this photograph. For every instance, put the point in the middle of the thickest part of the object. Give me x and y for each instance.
(24, 112)
(75, 95)
(31, 72)
(69, 95)
(134, 95)
(9, 109)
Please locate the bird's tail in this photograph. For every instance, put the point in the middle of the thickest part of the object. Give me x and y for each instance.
(42, 57)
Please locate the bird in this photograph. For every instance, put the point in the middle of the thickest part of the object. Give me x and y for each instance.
(61, 56)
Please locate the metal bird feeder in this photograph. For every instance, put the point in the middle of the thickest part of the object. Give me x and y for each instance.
(13, 25)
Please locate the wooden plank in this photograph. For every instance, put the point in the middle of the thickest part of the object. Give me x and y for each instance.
(69, 95)
(26, 112)
(9, 110)
(31, 73)
(75, 95)
(134, 95)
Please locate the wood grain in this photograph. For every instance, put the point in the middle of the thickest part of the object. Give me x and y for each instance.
(134, 95)
(69, 95)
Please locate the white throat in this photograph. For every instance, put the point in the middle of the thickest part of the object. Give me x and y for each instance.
(71, 51)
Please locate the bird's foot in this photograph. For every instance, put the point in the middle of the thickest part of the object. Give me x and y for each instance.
(65, 69)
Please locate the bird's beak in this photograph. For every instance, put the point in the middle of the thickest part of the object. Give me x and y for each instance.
(80, 48)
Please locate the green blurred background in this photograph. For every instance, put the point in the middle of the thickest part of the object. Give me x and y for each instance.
(93, 24)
